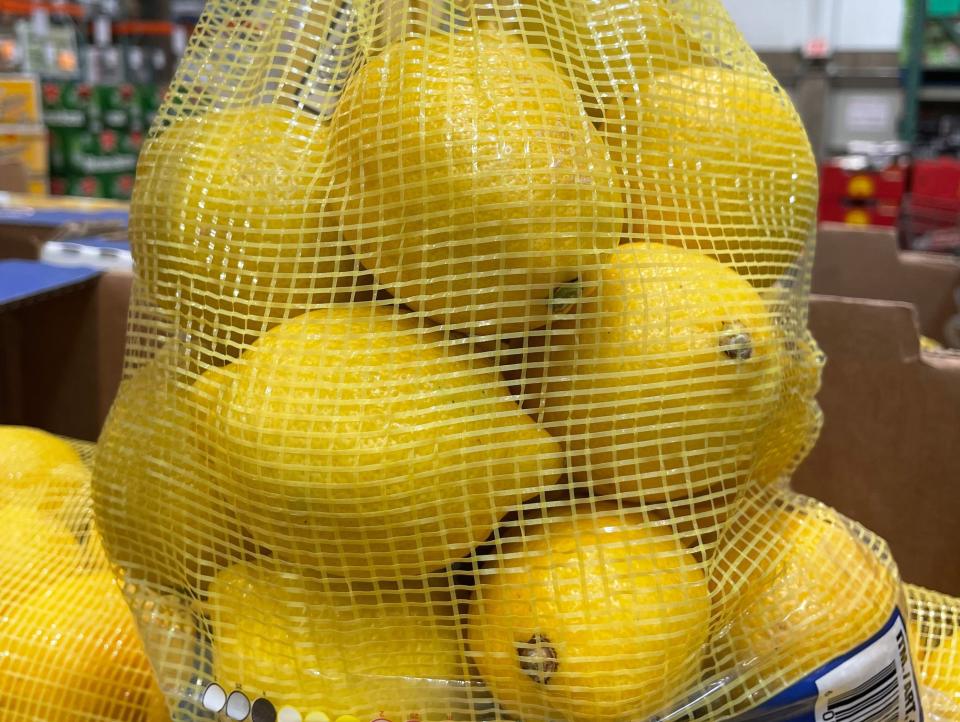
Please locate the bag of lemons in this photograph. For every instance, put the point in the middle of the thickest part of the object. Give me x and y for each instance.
(70, 650)
(467, 369)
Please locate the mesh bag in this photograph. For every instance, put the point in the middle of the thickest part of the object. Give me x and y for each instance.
(467, 368)
(935, 626)
(69, 646)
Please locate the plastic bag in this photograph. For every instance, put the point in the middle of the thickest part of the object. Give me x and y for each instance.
(467, 368)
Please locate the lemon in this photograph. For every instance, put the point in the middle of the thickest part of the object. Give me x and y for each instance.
(658, 384)
(930, 344)
(155, 493)
(717, 160)
(39, 470)
(233, 224)
(606, 47)
(935, 643)
(353, 440)
(25, 452)
(700, 521)
(34, 549)
(708, 24)
(592, 614)
(797, 588)
(791, 430)
(71, 654)
(476, 184)
(336, 649)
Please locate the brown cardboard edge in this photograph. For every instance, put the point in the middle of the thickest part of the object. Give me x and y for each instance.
(888, 454)
(867, 263)
(113, 304)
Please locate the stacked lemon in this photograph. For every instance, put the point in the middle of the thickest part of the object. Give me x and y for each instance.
(441, 374)
(935, 633)
(69, 648)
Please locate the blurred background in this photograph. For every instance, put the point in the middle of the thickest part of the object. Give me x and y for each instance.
(877, 83)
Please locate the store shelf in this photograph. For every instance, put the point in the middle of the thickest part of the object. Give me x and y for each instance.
(940, 93)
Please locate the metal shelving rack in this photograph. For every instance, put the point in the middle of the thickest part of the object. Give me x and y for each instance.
(923, 83)
(913, 68)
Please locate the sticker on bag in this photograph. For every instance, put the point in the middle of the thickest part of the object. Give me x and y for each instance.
(875, 682)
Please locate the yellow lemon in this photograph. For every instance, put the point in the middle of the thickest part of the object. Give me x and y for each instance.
(606, 47)
(930, 344)
(717, 160)
(70, 653)
(708, 24)
(791, 429)
(476, 184)
(940, 672)
(39, 470)
(659, 383)
(159, 511)
(699, 522)
(797, 588)
(233, 224)
(356, 441)
(590, 614)
(338, 649)
(918, 645)
(935, 636)
(34, 550)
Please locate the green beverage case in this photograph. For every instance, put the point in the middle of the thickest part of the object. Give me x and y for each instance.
(121, 107)
(71, 105)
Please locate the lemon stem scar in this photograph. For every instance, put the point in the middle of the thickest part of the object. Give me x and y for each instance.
(538, 658)
(566, 295)
(735, 342)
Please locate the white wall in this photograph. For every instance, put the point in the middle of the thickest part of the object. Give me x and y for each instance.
(845, 24)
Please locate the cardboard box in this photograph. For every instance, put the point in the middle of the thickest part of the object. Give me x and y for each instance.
(866, 263)
(71, 105)
(63, 337)
(28, 144)
(61, 357)
(889, 455)
(13, 176)
(19, 99)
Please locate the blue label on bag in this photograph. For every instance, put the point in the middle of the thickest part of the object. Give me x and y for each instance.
(875, 682)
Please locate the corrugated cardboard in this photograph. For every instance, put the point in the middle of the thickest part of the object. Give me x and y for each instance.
(48, 360)
(61, 358)
(866, 263)
(13, 175)
(889, 454)
(113, 303)
(28, 144)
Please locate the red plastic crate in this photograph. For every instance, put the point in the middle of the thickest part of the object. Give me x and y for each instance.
(887, 185)
(871, 213)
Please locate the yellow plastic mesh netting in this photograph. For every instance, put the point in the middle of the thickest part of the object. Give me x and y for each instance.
(935, 629)
(467, 367)
(69, 646)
